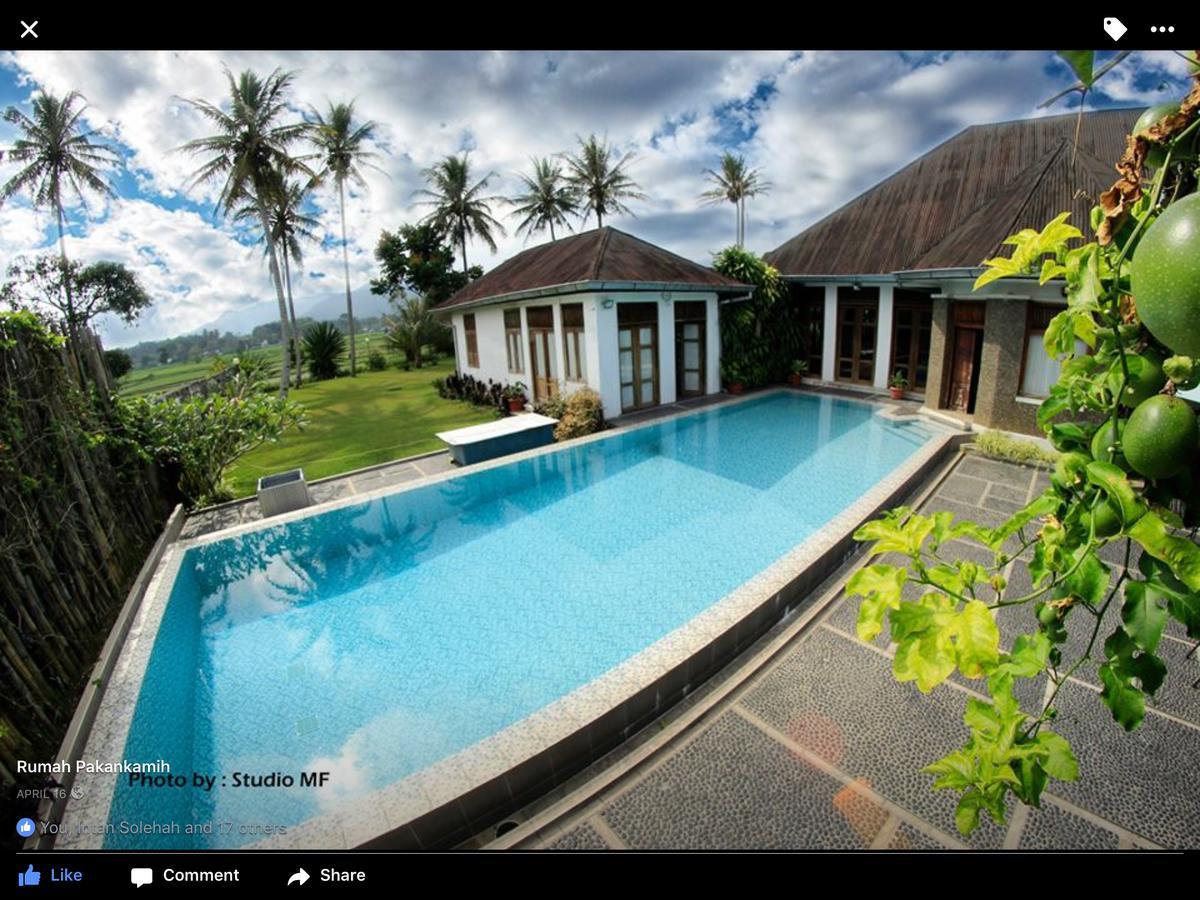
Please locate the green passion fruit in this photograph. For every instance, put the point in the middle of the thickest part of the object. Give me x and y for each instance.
(1106, 443)
(1146, 378)
(1157, 152)
(1106, 519)
(1161, 436)
(1165, 277)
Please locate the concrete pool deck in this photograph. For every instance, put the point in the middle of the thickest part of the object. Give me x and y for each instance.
(808, 742)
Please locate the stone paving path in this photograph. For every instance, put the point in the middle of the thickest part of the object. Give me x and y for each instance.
(823, 748)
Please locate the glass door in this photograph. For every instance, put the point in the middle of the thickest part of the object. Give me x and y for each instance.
(637, 343)
(689, 349)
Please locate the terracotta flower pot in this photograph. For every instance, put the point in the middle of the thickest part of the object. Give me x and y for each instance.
(794, 379)
(736, 387)
(516, 405)
(897, 393)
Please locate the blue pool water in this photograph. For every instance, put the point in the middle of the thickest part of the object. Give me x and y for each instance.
(373, 640)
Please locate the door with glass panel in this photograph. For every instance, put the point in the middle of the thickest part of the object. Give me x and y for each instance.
(637, 343)
(690, 321)
(540, 320)
(857, 322)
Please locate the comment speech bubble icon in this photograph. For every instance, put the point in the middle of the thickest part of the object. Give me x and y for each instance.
(138, 877)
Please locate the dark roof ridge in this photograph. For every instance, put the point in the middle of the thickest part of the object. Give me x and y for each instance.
(601, 249)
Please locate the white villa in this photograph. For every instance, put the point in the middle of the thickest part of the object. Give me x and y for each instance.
(601, 309)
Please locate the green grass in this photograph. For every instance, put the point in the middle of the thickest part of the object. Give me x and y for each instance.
(155, 379)
(357, 422)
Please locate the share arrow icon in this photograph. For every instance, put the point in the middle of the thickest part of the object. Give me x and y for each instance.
(299, 877)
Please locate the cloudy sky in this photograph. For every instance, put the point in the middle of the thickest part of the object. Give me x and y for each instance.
(821, 126)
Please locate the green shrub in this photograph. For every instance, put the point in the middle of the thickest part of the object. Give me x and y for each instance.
(555, 407)
(376, 362)
(998, 445)
(324, 347)
(583, 414)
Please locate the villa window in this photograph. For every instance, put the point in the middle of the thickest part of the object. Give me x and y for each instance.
(573, 343)
(512, 339)
(472, 340)
(1039, 370)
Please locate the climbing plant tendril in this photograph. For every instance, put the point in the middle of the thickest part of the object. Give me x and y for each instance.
(1129, 474)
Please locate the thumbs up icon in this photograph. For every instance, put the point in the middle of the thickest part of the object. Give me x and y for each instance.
(29, 877)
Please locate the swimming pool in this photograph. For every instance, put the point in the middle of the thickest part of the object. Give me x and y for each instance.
(375, 639)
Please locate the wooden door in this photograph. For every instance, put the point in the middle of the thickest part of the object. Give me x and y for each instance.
(690, 325)
(912, 324)
(962, 370)
(638, 345)
(541, 352)
(857, 324)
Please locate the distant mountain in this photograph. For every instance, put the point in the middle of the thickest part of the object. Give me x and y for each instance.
(324, 306)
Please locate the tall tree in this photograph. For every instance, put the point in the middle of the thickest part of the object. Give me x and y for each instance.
(103, 287)
(58, 155)
(248, 154)
(459, 209)
(547, 200)
(289, 225)
(342, 152)
(417, 258)
(734, 183)
(600, 180)
(411, 326)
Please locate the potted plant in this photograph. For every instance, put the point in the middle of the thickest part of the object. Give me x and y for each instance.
(514, 394)
(735, 381)
(799, 370)
(897, 385)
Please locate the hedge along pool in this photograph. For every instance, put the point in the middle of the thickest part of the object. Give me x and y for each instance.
(371, 641)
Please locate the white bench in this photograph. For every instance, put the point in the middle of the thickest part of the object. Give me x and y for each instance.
(511, 434)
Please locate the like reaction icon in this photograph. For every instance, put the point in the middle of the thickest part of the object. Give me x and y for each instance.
(29, 877)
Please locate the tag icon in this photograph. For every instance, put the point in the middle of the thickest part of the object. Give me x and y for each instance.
(1115, 27)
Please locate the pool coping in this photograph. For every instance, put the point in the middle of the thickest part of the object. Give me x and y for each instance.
(459, 795)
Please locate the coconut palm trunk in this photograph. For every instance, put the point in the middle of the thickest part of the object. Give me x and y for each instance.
(287, 277)
(285, 334)
(346, 266)
(66, 280)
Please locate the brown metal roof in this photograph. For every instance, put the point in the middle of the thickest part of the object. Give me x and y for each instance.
(954, 206)
(596, 256)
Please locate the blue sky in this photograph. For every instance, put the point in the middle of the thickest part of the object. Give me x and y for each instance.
(821, 126)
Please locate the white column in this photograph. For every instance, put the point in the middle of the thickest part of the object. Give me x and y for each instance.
(666, 350)
(591, 343)
(526, 376)
(608, 359)
(883, 337)
(460, 342)
(829, 343)
(556, 349)
(712, 347)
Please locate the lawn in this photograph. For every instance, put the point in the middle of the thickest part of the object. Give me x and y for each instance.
(162, 378)
(357, 422)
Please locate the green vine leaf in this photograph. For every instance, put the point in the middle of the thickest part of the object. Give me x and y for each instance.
(881, 586)
(1059, 761)
(1144, 614)
(1113, 481)
(1030, 246)
(1180, 554)
(1126, 702)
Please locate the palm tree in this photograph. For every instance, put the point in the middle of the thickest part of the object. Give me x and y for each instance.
(249, 154)
(57, 154)
(340, 146)
(734, 183)
(409, 328)
(600, 183)
(458, 208)
(289, 224)
(547, 201)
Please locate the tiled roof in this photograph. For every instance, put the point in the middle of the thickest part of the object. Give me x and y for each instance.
(954, 206)
(596, 256)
